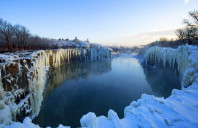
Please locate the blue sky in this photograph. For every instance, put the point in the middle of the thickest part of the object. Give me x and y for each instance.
(111, 22)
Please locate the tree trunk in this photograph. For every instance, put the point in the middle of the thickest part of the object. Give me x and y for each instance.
(10, 48)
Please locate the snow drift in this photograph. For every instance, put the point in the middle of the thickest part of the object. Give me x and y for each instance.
(178, 110)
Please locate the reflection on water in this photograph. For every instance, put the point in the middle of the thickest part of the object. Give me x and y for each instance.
(162, 80)
(75, 70)
(77, 88)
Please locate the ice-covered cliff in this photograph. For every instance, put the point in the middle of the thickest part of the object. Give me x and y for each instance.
(185, 57)
(178, 110)
(23, 76)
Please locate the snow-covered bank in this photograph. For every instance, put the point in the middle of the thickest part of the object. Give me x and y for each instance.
(27, 123)
(23, 76)
(178, 110)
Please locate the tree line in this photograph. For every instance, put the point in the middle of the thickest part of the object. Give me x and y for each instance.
(189, 34)
(186, 35)
(18, 37)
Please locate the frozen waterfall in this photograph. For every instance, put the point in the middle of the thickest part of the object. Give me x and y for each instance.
(23, 77)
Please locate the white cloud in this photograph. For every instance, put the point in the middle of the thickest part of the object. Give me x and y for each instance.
(186, 1)
(145, 38)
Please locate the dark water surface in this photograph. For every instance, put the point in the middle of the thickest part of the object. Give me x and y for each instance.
(77, 88)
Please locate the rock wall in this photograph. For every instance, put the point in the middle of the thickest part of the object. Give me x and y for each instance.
(23, 76)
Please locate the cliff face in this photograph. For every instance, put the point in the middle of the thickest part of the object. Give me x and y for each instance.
(178, 110)
(23, 77)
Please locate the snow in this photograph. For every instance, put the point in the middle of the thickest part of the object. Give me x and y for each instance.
(76, 43)
(27, 123)
(70, 43)
(178, 110)
(36, 76)
(186, 58)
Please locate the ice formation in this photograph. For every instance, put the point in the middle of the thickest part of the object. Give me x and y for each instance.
(185, 57)
(27, 123)
(23, 77)
(178, 110)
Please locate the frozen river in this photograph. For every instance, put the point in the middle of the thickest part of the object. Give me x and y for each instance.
(77, 88)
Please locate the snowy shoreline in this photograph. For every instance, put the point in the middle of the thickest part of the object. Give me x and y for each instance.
(178, 110)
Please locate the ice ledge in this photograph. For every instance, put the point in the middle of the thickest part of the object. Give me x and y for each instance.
(178, 110)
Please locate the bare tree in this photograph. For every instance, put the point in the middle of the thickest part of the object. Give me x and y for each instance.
(24, 36)
(181, 34)
(21, 36)
(190, 32)
(1, 22)
(34, 41)
(194, 15)
(17, 33)
(7, 32)
(163, 39)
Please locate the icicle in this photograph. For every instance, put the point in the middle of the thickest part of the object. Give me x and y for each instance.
(181, 56)
(40, 63)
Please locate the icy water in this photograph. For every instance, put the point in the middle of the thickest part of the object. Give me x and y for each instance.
(77, 88)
